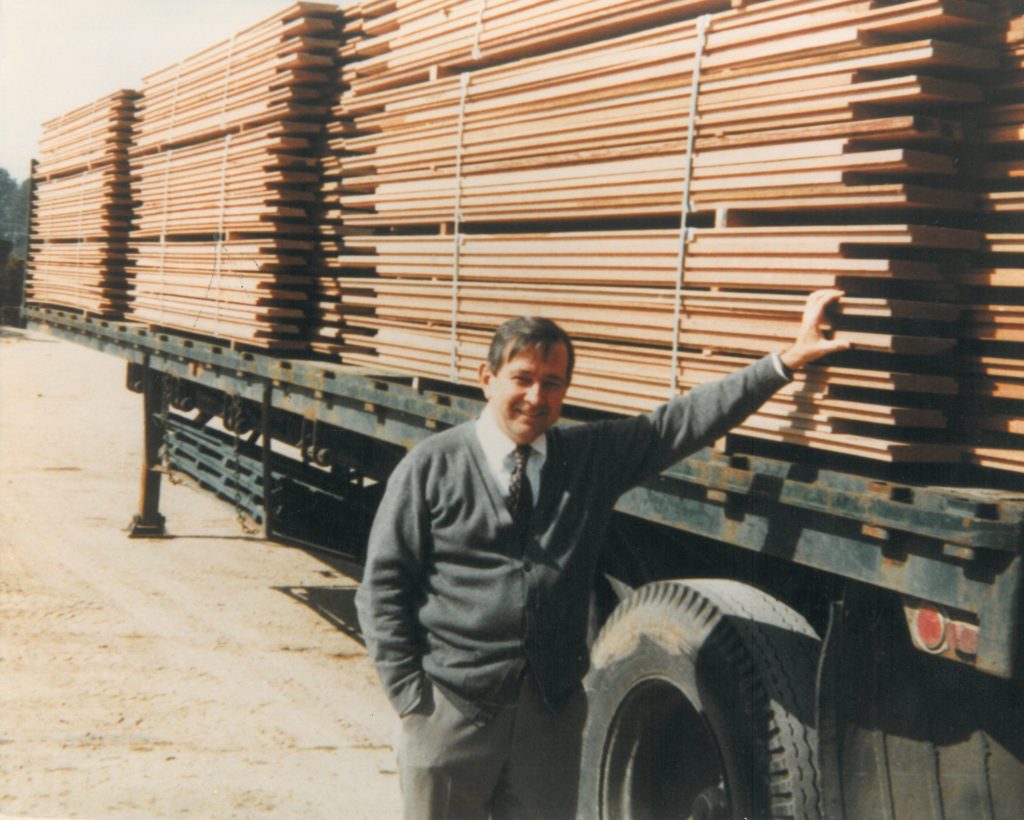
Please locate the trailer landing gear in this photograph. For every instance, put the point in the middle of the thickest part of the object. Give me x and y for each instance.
(149, 523)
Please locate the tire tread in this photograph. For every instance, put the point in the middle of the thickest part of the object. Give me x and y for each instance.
(770, 670)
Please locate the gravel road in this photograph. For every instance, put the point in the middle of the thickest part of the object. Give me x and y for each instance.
(207, 674)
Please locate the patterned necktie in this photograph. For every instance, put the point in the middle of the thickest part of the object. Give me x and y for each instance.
(520, 493)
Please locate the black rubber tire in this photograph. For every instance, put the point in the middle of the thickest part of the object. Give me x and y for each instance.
(700, 692)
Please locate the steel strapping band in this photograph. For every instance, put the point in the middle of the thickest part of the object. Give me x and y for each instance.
(457, 230)
(79, 288)
(163, 227)
(219, 249)
(703, 23)
(174, 103)
(479, 30)
(227, 82)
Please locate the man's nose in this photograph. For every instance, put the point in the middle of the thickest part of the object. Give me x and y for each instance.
(533, 394)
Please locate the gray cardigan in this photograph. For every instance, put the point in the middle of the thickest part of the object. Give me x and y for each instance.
(448, 592)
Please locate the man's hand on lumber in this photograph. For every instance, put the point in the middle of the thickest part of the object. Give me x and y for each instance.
(811, 342)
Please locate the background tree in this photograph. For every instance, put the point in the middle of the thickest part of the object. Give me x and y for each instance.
(12, 277)
(13, 212)
(13, 244)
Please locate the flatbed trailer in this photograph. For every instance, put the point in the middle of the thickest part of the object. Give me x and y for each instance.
(872, 627)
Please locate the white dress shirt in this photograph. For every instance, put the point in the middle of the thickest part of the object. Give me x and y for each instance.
(780, 368)
(498, 449)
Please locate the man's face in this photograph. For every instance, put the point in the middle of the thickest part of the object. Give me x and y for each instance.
(526, 394)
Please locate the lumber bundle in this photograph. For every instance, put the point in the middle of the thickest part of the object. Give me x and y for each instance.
(249, 182)
(225, 176)
(90, 204)
(516, 272)
(621, 366)
(407, 41)
(87, 275)
(266, 73)
(601, 130)
(841, 256)
(252, 289)
(813, 409)
(992, 346)
(81, 208)
(803, 144)
(667, 179)
(94, 135)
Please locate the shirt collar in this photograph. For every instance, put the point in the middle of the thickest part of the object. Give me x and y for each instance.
(496, 443)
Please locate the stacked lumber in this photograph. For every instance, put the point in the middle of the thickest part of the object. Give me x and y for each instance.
(734, 321)
(842, 256)
(804, 144)
(81, 208)
(246, 289)
(225, 176)
(992, 347)
(408, 41)
(89, 203)
(810, 410)
(601, 130)
(94, 135)
(667, 179)
(621, 367)
(254, 181)
(267, 73)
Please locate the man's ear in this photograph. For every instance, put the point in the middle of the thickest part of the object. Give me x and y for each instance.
(485, 375)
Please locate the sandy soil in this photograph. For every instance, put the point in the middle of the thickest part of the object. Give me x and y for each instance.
(208, 674)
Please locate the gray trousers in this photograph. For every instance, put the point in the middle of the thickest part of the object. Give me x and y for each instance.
(523, 763)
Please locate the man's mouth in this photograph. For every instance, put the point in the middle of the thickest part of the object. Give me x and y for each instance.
(536, 414)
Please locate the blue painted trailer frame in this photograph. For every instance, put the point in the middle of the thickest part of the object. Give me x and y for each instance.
(961, 548)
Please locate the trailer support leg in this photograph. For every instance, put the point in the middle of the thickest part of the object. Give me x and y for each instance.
(149, 523)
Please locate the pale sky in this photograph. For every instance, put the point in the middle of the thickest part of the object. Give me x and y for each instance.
(56, 55)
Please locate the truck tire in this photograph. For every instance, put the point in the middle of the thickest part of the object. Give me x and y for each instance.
(701, 704)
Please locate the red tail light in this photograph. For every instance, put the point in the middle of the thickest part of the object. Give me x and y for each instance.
(937, 631)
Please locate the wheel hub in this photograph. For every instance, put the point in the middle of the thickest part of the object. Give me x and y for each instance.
(710, 804)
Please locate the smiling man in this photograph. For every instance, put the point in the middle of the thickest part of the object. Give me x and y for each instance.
(474, 602)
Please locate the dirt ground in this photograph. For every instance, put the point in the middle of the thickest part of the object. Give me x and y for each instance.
(207, 674)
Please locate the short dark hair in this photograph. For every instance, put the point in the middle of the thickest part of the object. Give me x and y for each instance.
(516, 335)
